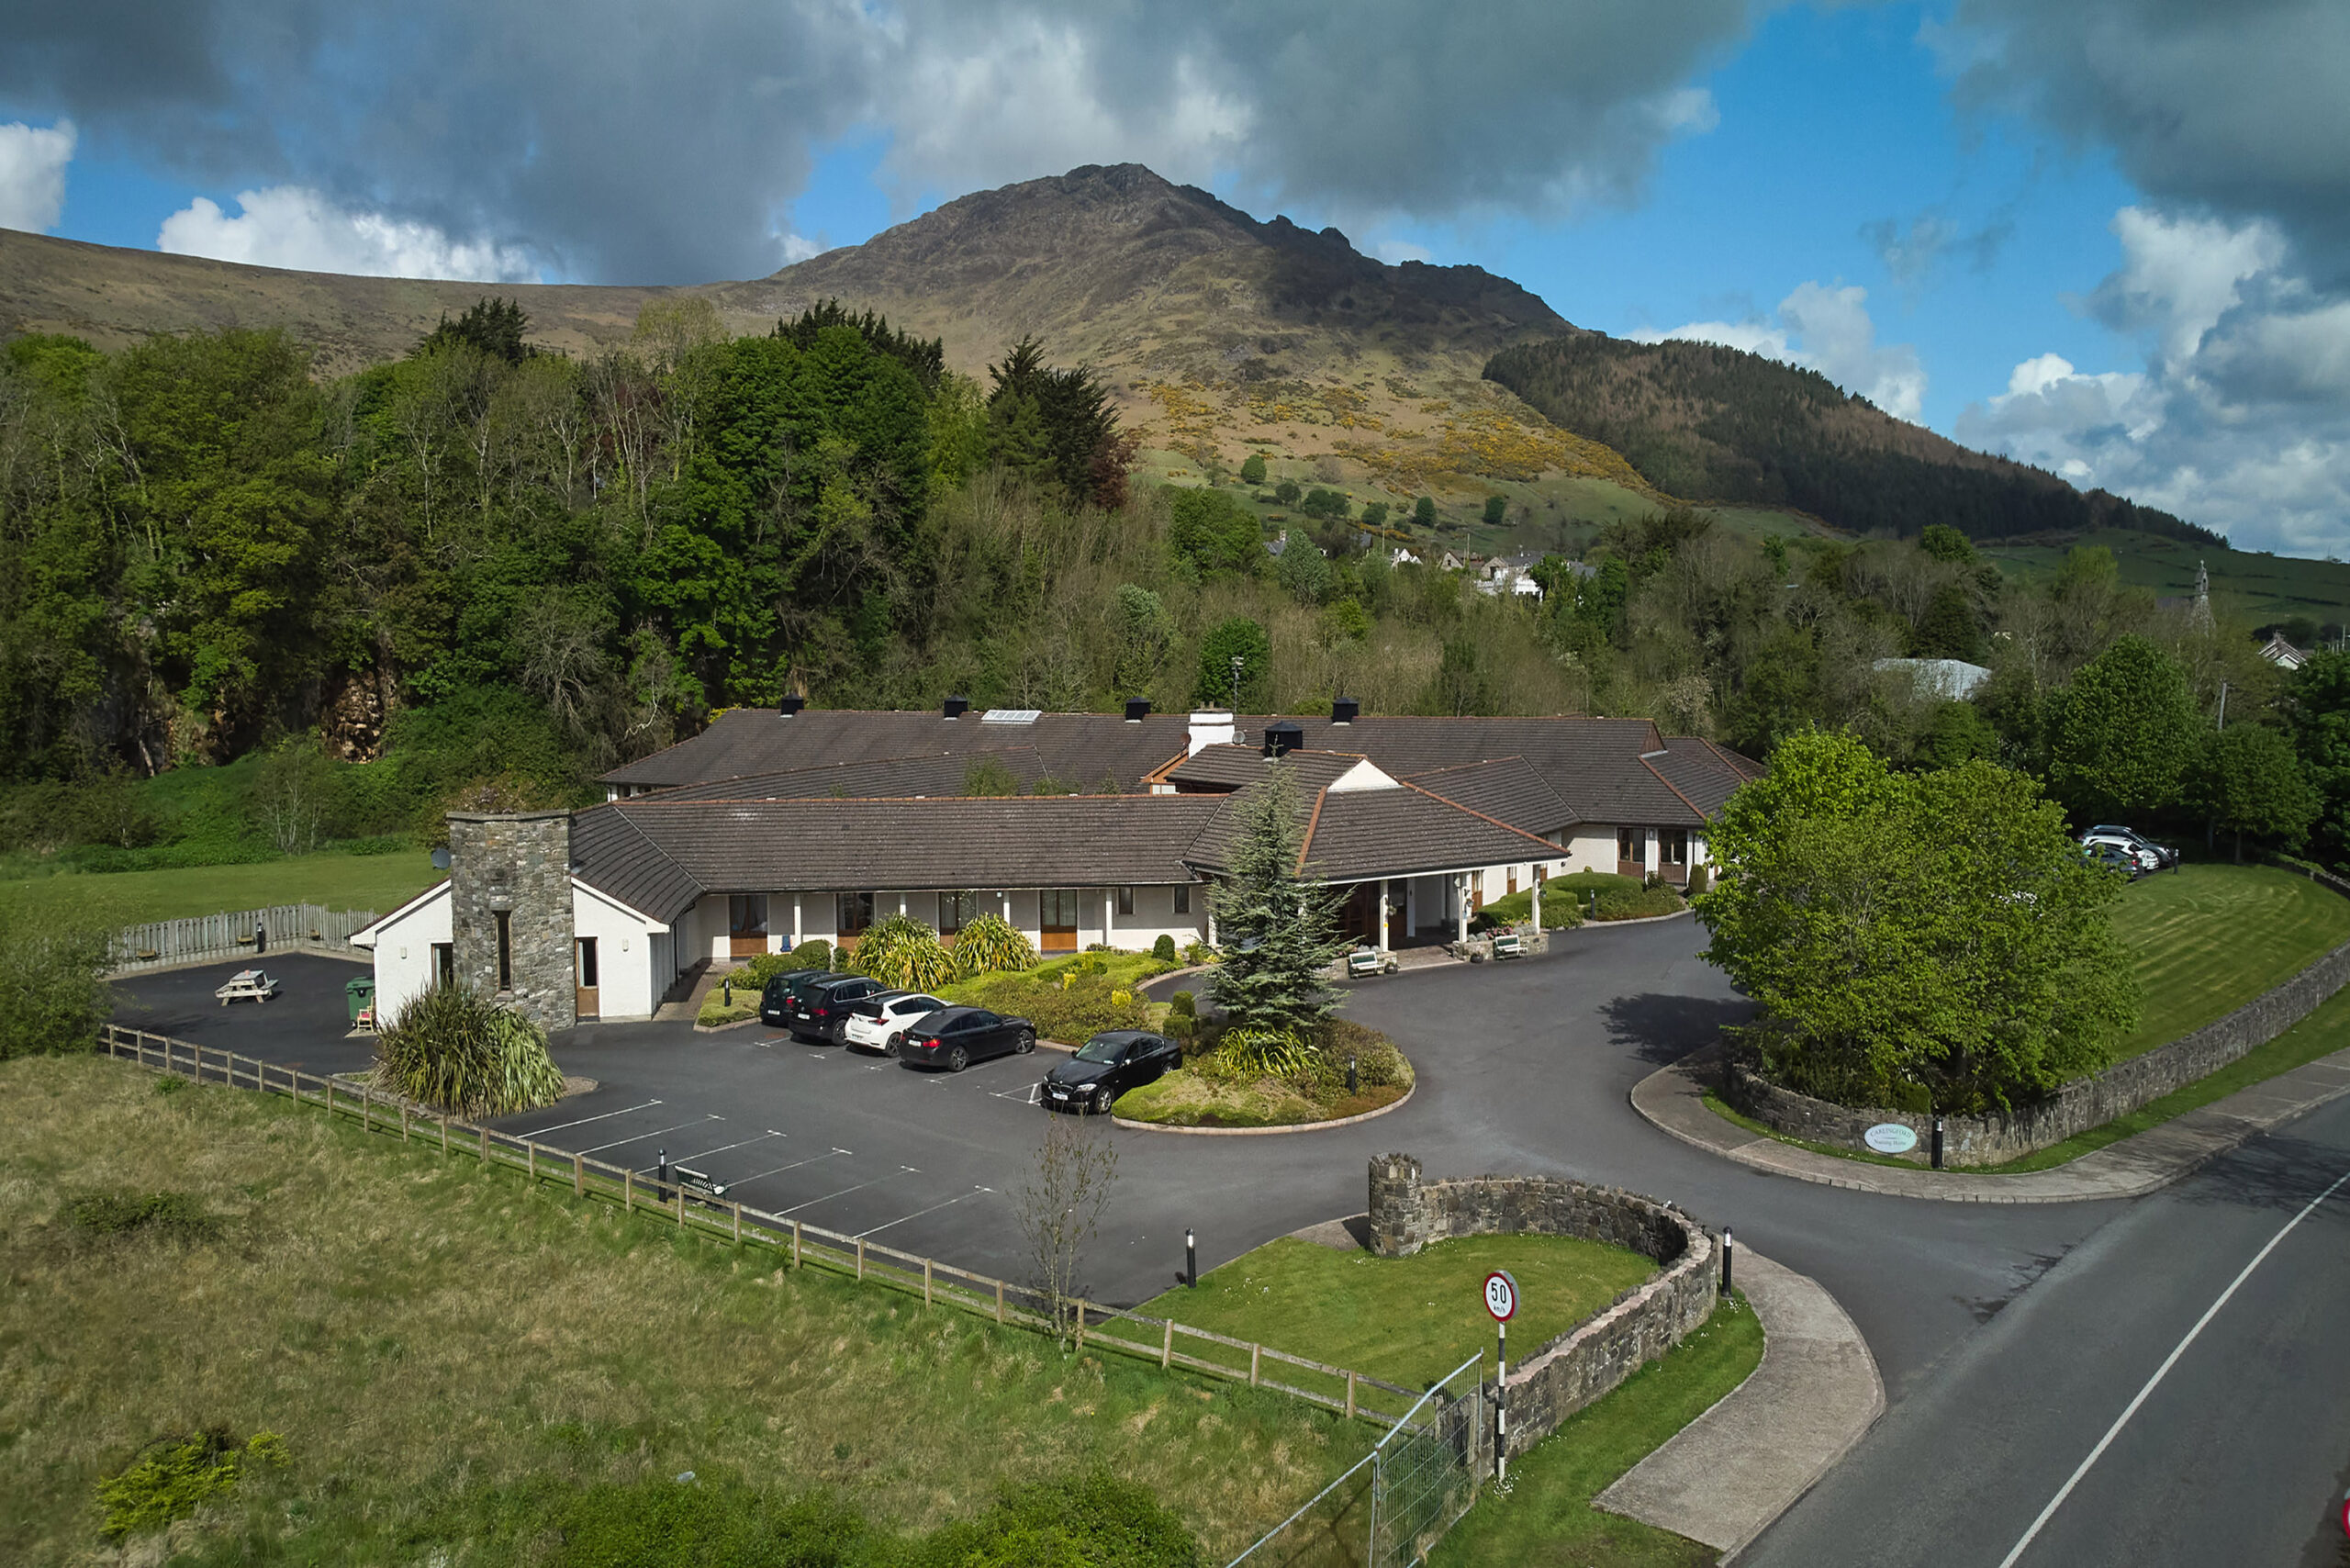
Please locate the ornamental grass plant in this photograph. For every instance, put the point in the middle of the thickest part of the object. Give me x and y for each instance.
(991, 944)
(455, 1050)
(902, 952)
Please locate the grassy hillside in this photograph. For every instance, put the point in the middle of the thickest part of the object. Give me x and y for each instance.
(2261, 587)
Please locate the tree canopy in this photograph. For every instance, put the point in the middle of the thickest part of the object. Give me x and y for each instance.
(1276, 932)
(1913, 940)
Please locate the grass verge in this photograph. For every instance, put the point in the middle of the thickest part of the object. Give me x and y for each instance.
(419, 1329)
(1546, 1517)
(1409, 1320)
(380, 882)
(1188, 1098)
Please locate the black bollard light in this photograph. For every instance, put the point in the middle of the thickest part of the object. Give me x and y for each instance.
(1191, 1259)
(1938, 1143)
(661, 1166)
(730, 991)
(1353, 1082)
(1727, 1247)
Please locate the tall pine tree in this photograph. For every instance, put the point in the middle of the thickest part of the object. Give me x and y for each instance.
(1276, 931)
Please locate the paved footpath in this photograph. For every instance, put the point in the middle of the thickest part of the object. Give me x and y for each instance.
(1673, 1099)
(1739, 1466)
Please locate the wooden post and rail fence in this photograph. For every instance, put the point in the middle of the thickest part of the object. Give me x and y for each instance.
(1357, 1395)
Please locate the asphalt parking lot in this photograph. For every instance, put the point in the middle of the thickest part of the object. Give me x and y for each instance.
(1524, 1067)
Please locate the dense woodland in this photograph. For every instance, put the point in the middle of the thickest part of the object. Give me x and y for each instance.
(244, 612)
(1715, 423)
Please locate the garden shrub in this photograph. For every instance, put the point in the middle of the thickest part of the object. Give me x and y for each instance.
(1699, 881)
(1379, 1063)
(813, 954)
(766, 967)
(1183, 1004)
(989, 944)
(1264, 1053)
(453, 1049)
(176, 1476)
(53, 992)
(903, 952)
(1072, 1009)
(1164, 948)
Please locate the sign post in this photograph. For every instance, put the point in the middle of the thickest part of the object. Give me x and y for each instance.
(1501, 1300)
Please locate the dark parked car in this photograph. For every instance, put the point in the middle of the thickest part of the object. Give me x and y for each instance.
(774, 997)
(955, 1037)
(2113, 858)
(820, 1008)
(1107, 1066)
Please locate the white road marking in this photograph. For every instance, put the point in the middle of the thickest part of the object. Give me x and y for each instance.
(723, 1147)
(828, 1197)
(656, 1132)
(1025, 1096)
(542, 1132)
(919, 1212)
(793, 1166)
(2162, 1372)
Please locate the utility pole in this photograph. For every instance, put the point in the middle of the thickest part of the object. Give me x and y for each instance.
(1237, 662)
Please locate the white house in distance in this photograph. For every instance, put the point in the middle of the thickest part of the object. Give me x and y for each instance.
(773, 828)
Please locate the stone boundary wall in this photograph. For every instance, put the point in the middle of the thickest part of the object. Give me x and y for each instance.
(2089, 1103)
(1556, 1379)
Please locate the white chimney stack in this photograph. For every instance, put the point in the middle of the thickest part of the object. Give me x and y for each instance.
(1210, 726)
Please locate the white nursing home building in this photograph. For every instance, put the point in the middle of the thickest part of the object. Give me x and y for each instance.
(775, 827)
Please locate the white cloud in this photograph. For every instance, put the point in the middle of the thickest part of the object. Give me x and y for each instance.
(287, 226)
(32, 173)
(798, 248)
(1827, 330)
(1395, 253)
(2240, 420)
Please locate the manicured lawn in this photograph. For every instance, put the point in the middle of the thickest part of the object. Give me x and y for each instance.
(419, 1328)
(2208, 938)
(1546, 1518)
(1126, 970)
(379, 882)
(1408, 1321)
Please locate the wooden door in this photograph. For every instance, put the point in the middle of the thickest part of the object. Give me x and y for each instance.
(746, 925)
(1056, 920)
(1632, 852)
(587, 1003)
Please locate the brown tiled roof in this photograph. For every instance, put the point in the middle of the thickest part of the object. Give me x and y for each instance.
(1509, 790)
(979, 843)
(1218, 768)
(1082, 748)
(1701, 773)
(1353, 834)
(898, 777)
(611, 856)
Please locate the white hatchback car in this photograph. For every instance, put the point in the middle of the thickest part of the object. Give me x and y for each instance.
(877, 1023)
(2145, 855)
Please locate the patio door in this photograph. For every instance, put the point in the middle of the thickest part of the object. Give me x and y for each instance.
(746, 925)
(1056, 920)
(1632, 852)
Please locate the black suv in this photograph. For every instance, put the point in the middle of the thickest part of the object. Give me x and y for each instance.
(820, 1007)
(1107, 1066)
(774, 997)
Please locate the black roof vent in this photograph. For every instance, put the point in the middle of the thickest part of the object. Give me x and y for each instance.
(1344, 711)
(1137, 710)
(1280, 739)
(791, 705)
(956, 707)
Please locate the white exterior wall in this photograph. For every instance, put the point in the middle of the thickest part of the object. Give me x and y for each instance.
(1154, 917)
(403, 942)
(1592, 849)
(628, 962)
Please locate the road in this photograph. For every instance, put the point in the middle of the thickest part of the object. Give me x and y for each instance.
(1978, 1315)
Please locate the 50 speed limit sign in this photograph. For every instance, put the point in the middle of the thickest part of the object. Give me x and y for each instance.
(1501, 1295)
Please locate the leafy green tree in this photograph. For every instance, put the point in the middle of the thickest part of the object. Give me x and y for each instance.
(1949, 629)
(1145, 634)
(2249, 782)
(1424, 512)
(1244, 639)
(1252, 468)
(1462, 683)
(53, 993)
(2126, 735)
(1374, 515)
(1956, 733)
(1276, 931)
(1325, 503)
(494, 327)
(1304, 570)
(926, 357)
(1943, 543)
(1930, 937)
(1287, 492)
(1213, 533)
(1497, 510)
(1057, 427)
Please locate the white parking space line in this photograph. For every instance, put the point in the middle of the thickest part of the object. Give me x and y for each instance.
(1025, 1096)
(919, 1212)
(656, 1132)
(542, 1132)
(781, 1169)
(723, 1147)
(900, 1171)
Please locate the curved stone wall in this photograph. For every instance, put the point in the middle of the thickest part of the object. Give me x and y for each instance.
(1408, 1212)
(2092, 1102)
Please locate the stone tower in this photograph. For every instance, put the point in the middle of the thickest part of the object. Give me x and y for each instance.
(509, 910)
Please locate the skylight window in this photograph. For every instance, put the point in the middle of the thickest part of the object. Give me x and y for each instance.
(1012, 715)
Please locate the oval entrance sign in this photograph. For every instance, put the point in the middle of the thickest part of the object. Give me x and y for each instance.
(1891, 1137)
(1501, 1295)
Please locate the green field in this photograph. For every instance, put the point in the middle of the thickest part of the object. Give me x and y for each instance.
(2208, 938)
(419, 1329)
(2259, 585)
(379, 882)
(1409, 1320)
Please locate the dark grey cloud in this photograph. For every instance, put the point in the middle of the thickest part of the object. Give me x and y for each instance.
(1913, 251)
(625, 142)
(2239, 107)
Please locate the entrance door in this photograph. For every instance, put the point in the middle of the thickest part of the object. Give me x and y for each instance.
(1632, 852)
(584, 979)
(746, 925)
(1359, 917)
(1056, 920)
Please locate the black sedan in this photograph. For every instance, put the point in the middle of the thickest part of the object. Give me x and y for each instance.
(955, 1037)
(1106, 1067)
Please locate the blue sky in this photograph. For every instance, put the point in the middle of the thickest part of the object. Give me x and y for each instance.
(1955, 209)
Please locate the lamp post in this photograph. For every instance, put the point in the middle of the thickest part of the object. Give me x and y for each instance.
(1191, 1260)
